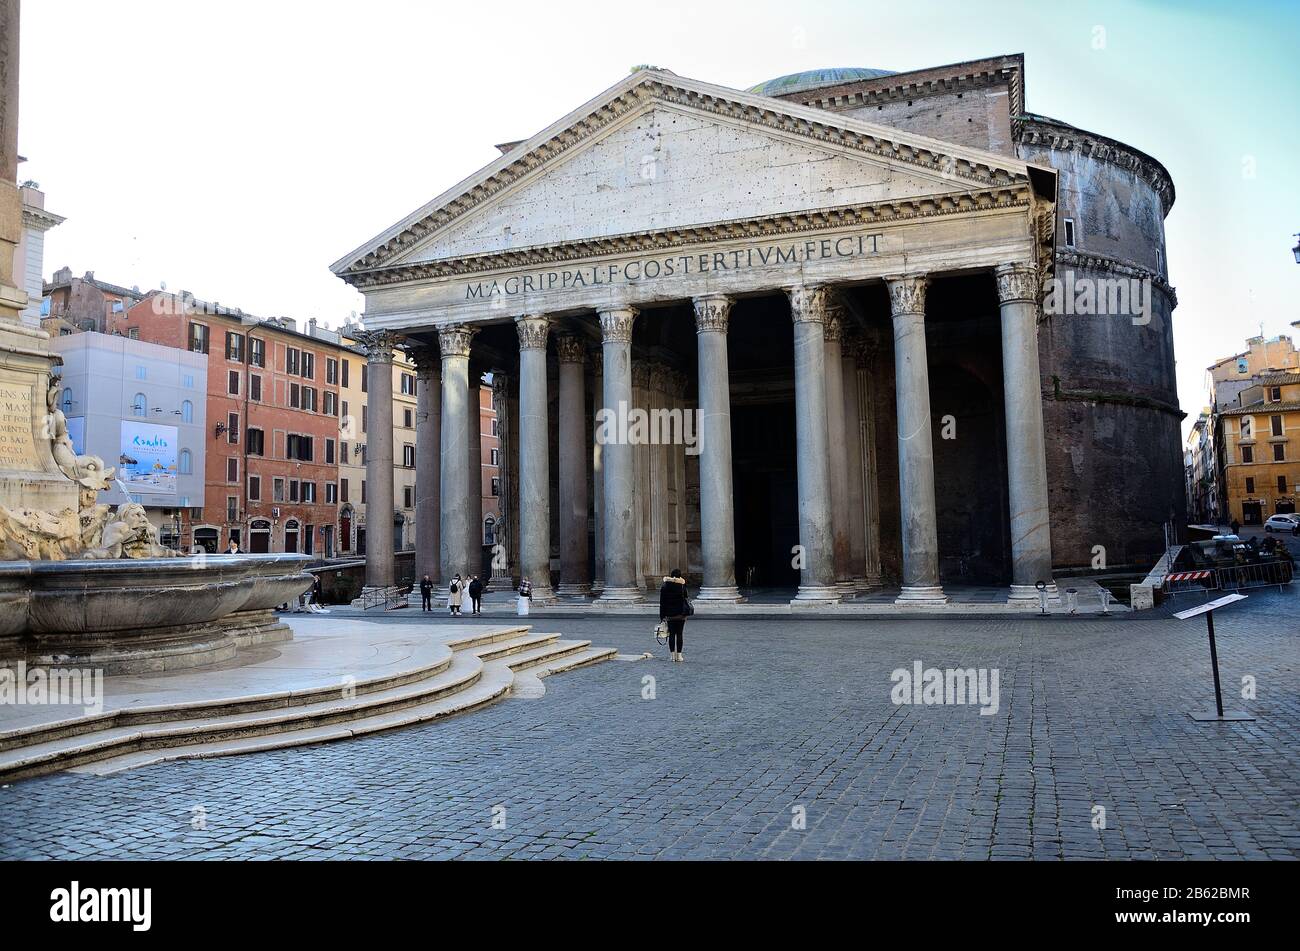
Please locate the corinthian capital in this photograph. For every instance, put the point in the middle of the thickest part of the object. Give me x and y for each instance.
(1017, 282)
(427, 360)
(907, 294)
(712, 313)
(454, 340)
(616, 324)
(378, 344)
(808, 303)
(570, 349)
(532, 330)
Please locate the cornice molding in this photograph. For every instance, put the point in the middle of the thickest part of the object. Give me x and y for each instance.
(647, 242)
(1036, 131)
(658, 87)
(1094, 261)
(957, 82)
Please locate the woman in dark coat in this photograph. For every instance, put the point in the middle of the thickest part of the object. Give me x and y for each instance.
(675, 608)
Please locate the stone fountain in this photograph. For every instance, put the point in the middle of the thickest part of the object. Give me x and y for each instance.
(82, 584)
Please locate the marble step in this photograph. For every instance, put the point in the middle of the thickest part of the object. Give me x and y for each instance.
(463, 672)
(139, 715)
(499, 679)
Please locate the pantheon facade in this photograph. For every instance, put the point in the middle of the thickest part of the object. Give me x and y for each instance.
(825, 297)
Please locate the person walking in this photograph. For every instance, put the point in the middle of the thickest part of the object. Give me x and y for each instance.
(475, 596)
(454, 595)
(525, 596)
(675, 608)
(426, 593)
(1236, 527)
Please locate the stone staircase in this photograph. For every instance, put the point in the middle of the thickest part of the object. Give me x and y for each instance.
(460, 675)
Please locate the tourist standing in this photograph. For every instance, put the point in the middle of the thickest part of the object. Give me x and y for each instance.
(426, 593)
(675, 608)
(475, 595)
(525, 596)
(233, 548)
(454, 595)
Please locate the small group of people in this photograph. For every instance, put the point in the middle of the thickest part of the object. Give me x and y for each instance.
(456, 592)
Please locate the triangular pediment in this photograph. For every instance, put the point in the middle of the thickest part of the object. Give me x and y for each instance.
(657, 152)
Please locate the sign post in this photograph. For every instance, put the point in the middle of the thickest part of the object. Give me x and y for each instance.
(1208, 609)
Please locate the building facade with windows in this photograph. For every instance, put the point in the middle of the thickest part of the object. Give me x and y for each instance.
(142, 408)
(1261, 448)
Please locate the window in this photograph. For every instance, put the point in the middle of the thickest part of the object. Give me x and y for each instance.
(1281, 485)
(408, 384)
(141, 373)
(198, 338)
(1279, 452)
(232, 429)
(1275, 394)
(331, 371)
(294, 486)
(291, 360)
(1247, 454)
(309, 398)
(232, 508)
(256, 442)
(365, 418)
(331, 493)
(495, 456)
(1275, 425)
(254, 387)
(496, 487)
(489, 531)
(408, 497)
(254, 488)
(187, 411)
(330, 405)
(343, 453)
(408, 456)
(185, 465)
(232, 384)
(1247, 427)
(363, 454)
(234, 346)
(1069, 232)
(295, 396)
(1250, 485)
(298, 447)
(256, 352)
(343, 485)
(344, 368)
(308, 365)
(132, 333)
(232, 469)
(494, 426)
(407, 419)
(365, 378)
(140, 405)
(277, 490)
(363, 491)
(308, 492)
(329, 452)
(187, 381)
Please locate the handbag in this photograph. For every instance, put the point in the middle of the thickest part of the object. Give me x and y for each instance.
(690, 608)
(661, 632)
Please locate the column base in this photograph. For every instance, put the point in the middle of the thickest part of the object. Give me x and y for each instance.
(921, 594)
(724, 593)
(847, 589)
(616, 595)
(864, 585)
(542, 595)
(581, 591)
(1028, 594)
(817, 594)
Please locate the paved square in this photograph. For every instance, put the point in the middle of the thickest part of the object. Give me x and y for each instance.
(767, 717)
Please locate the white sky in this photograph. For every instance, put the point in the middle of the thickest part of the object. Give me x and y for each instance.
(236, 149)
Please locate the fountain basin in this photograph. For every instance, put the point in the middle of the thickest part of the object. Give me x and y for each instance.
(144, 615)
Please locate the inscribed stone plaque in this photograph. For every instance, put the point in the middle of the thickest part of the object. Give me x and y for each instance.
(17, 447)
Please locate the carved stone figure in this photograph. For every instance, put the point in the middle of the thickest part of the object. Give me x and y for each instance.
(129, 535)
(87, 471)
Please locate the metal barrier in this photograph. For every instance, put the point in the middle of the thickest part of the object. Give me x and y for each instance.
(1230, 578)
(1201, 579)
(389, 598)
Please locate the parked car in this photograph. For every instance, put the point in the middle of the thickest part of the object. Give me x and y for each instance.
(1283, 523)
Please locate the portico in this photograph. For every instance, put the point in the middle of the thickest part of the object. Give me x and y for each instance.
(820, 313)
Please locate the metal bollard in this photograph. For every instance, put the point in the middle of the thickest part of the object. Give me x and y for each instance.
(1042, 597)
(1105, 600)
(1072, 600)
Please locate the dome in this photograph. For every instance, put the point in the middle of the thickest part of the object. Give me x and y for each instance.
(816, 79)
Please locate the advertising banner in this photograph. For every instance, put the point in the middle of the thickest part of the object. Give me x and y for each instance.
(147, 464)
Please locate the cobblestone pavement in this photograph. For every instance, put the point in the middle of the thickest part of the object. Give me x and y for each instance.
(767, 718)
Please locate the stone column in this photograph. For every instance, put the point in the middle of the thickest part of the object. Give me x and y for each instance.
(454, 341)
(866, 363)
(501, 563)
(621, 582)
(837, 442)
(817, 575)
(1031, 542)
(915, 445)
(575, 578)
(717, 489)
(379, 346)
(428, 449)
(474, 490)
(534, 459)
(598, 475)
(857, 500)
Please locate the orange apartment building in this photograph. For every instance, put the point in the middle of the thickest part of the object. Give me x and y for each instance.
(273, 412)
